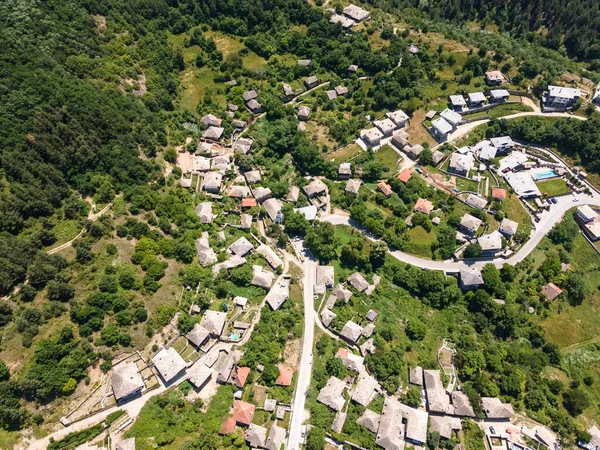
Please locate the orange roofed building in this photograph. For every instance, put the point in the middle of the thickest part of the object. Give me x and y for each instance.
(499, 194)
(285, 376)
(385, 188)
(405, 175)
(248, 202)
(239, 376)
(228, 426)
(423, 206)
(243, 412)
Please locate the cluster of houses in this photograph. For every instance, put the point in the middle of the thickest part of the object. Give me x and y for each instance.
(476, 100)
(352, 15)
(385, 128)
(399, 424)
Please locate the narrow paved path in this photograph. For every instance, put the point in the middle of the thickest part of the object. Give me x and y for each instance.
(305, 366)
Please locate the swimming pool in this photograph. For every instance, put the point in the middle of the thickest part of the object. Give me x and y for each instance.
(545, 175)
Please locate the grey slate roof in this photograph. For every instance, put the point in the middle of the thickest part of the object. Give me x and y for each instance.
(126, 380)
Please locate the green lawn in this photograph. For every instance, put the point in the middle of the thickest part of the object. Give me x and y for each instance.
(420, 241)
(344, 154)
(388, 157)
(553, 187)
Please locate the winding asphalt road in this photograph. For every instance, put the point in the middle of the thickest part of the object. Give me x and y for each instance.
(547, 221)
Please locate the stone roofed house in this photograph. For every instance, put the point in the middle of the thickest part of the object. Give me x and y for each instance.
(221, 163)
(470, 278)
(270, 404)
(211, 120)
(242, 145)
(212, 182)
(562, 97)
(293, 194)
(256, 436)
(385, 188)
(331, 94)
(213, 133)
(595, 433)
(386, 126)
(303, 113)
(241, 247)
(304, 62)
(495, 409)
(366, 389)
(126, 381)
(368, 347)
(239, 376)
(234, 261)
(324, 278)
(239, 191)
(125, 444)
(232, 359)
(340, 292)
(551, 291)
(499, 95)
(476, 99)
(227, 427)
(201, 163)
(311, 82)
(198, 336)
(423, 206)
(415, 375)
(245, 221)
(445, 425)
(437, 398)
(399, 117)
(249, 95)
(315, 188)
(461, 164)
(371, 316)
(345, 171)
(462, 405)
(369, 420)
(351, 332)
(261, 194)
(309, 212)
(469, 224)
(214, 322)
(358, 282)
(338, 422)
(490, 243)
(400, 140)
(254, 106)
(441, 128)
(273, 207)
(389, 433)
(204, 211)
(356, 13)
(508, 227)
(261, 277)
(499, 194)
(169, 364)
(372, 136)
(276, 438)
(352, 68)
(286, 374)
(413, 151)
(238, 123)
(288, 91)
(232, 107)
(452, 117)
(332, 394)
(327, 316)
(279, 293)
(252, 176)
(272, 258)
(543, 435)
(206, 255)
(351, 361)
(368, 330)
(341, 90)
(457, 102)
(476, 202)
(494, 77)
(415, 430)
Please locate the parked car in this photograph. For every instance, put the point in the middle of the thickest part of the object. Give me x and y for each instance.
(492, 430)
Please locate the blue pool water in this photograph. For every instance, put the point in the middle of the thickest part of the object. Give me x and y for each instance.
(235, 337)
(545, 175)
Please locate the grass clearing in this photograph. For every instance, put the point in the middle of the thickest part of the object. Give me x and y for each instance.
(343, 154)
(420, 241)
(417, 133)
(388, 157)
(553, 187)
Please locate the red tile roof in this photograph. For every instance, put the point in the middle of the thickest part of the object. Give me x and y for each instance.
(285, 376)
(239, 376)
(228, 426)
(248, 202)
(243, 412)
(551, 291)
(499, 193)
(385, 188)
(405, 175)
(424, 206)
